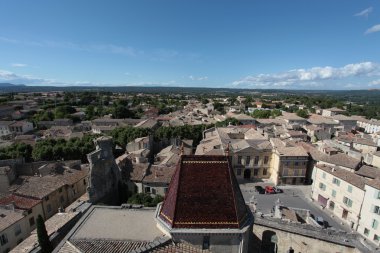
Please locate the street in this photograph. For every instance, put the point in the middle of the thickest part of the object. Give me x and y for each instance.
(293, 196)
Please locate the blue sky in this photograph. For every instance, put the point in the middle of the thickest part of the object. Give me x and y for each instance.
(282, 44)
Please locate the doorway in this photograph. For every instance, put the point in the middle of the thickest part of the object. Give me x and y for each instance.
(344, 214)
(247, 174)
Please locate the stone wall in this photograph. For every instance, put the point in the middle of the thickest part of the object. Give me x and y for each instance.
(271, 236)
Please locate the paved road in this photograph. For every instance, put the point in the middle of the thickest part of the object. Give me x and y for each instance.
(293, 196)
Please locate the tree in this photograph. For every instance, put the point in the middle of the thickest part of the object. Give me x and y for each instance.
(302, 113)
(43, 237)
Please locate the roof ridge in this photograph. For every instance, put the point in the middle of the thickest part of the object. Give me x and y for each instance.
(176, 196)
(233, 190)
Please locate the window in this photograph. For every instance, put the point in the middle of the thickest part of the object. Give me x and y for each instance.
(324, 175)
(153, 191)
(349, 188)
(347, 201)
(255, 172)
(376, 209)
(366, 232)
(333, 193)
(331, 205)
(376, 238)
(239, 159)
(31, 221)
(49, 208)
(47, 198)
(84, 182)
(375, 223)
(30, 211)
(322, 186)
(147, 189)
(336, 181)
(256, 160)
(165, 190)
(295, 163)
(3, 239)
(238, 172)
(17, 229)
(248, 160)
(265, 171)
(206, 242)
(377, 195)
(266, 159)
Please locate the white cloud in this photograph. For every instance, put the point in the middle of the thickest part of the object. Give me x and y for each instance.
(312, 77)
(18, 65)
(9, 76)
(373, 29)
(201, 78)
(364, 13)
(375, 82)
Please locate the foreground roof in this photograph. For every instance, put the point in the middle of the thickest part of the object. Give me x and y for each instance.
(204, 193)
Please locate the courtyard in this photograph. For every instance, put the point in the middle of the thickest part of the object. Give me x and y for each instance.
(297, 196)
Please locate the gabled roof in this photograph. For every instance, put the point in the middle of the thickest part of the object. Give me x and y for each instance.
(204, 193)
(19, 202)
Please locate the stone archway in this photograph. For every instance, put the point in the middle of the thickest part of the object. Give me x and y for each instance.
(247, 174)
(269, 242)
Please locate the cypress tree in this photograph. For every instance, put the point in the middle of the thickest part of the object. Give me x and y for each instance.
(43, 238)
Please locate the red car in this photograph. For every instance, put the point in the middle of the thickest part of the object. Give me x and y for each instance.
(270, 190)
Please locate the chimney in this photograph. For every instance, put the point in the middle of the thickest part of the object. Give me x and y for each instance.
(182, 149)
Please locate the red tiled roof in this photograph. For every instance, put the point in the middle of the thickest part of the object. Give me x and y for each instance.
(19, 202)
(204, 193)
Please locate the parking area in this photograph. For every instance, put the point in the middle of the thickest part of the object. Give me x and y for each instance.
(292, 196)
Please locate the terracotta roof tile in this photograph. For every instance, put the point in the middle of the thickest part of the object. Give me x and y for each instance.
(345, 175)
(204, 193)
(19, 202)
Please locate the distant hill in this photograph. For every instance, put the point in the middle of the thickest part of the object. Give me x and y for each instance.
(10, 85)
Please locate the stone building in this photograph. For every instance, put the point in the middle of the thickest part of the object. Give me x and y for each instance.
(104, 173)
(251, 152)
(289, 163)
(340, 191)
(204, 206)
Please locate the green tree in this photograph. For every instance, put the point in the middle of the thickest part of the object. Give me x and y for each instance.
(43, 237)
(16, 151)
(302, 113)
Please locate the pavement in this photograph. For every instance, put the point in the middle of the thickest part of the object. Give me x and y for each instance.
(297, 196)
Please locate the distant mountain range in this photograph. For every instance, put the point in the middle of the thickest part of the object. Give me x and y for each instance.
(348, 95)
(10, 85)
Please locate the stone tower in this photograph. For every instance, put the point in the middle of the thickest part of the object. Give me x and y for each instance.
(104, 173)
(205, 207)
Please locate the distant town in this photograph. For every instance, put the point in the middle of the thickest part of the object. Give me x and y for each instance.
(160, 169)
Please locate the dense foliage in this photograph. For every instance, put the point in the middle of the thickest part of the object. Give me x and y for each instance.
(266, 114)
(123, 135)
(16, 151)
(191, 132)
(61, 149)
(145, 199)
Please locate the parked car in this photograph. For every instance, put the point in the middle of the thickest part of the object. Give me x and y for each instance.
(260, 189)
(278, 190)
(269, 190)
